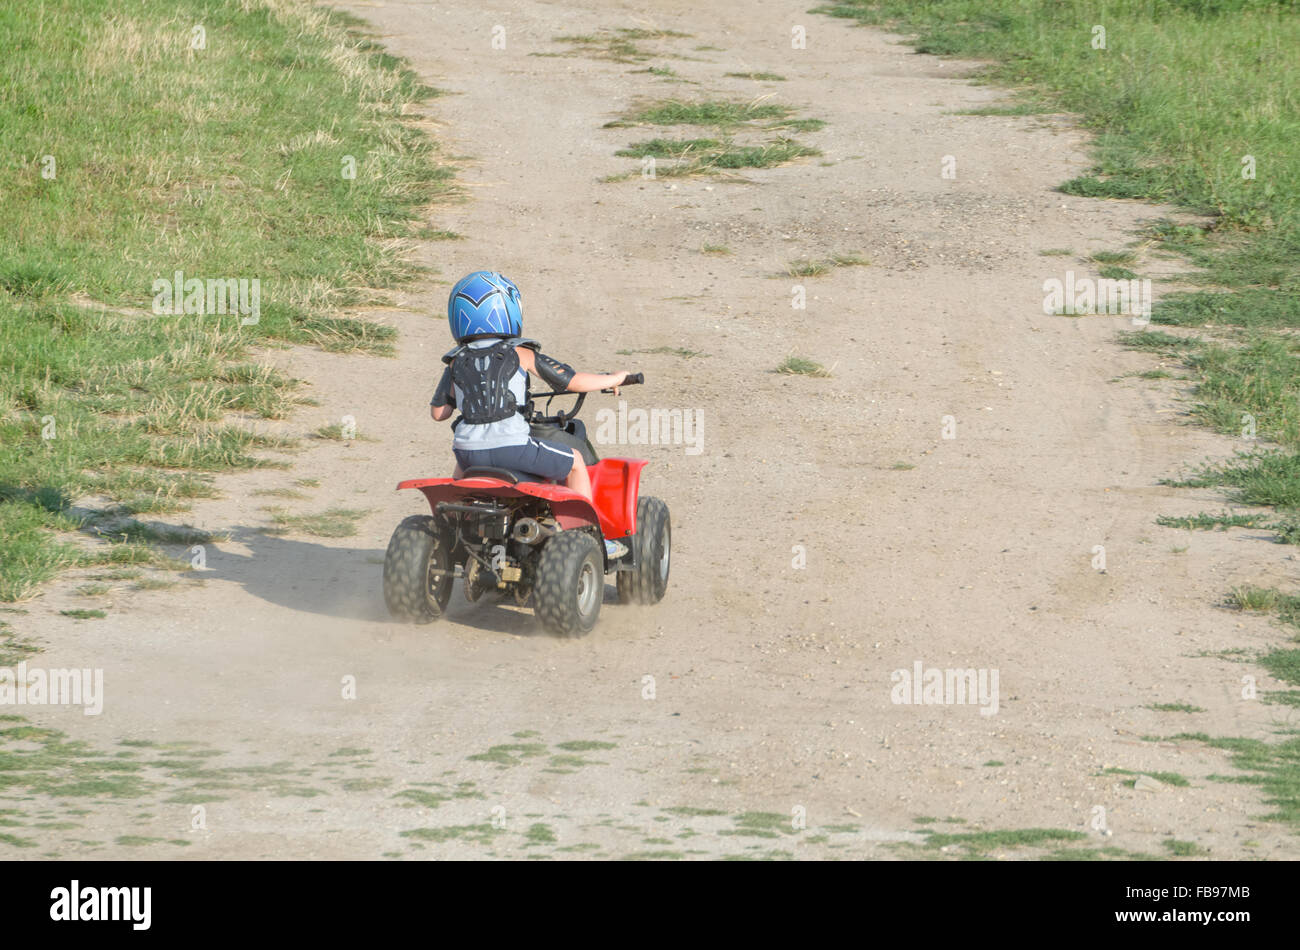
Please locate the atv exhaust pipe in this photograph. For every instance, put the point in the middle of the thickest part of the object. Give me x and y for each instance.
(530, 531)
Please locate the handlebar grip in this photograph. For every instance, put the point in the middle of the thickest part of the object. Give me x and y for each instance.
(633, 379)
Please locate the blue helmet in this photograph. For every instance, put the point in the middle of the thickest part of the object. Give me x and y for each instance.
(484, 304)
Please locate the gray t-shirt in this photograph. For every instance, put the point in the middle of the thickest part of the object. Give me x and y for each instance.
(494, 435)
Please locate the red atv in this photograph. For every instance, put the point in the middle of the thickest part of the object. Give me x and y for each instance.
(503, 530)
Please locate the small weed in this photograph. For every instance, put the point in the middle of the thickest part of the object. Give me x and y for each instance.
(1113, 257)
(1183, 849)
(331, 523)
(798, 366)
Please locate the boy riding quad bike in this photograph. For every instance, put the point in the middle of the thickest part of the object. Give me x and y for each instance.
(504, 521)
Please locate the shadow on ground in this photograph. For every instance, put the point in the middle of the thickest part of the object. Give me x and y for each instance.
(347, 583)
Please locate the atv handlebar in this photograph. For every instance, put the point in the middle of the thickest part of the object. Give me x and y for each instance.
(633, 379)
(561, 417)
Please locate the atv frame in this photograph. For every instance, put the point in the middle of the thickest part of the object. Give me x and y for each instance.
(531, 540)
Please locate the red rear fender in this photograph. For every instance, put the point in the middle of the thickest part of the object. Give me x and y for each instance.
(571, 510)
(615, 483)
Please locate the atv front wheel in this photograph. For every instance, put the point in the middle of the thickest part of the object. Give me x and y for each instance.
(417, 571)
(653, 540)
(570, 584)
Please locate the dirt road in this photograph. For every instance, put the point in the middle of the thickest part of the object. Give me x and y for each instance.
(826, 534)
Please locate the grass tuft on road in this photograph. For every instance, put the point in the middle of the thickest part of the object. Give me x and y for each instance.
(331, 523)
(619, 45)
(801, 366)
(722, 150)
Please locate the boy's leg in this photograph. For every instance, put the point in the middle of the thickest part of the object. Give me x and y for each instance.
(578, 480)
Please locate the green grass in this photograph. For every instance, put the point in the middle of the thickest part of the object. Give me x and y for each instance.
(1253, 598)
(849, 260)
(1184, 92)
(539, 833)
(43, 764)
(982, 842)
(806, 267)
(331, 523)
(1274, 767)
(1111, 272)
(1166, 96)
(112, 524)
(1285, 530)
(703, 156)
(618, 45)
(799, 366)
(718, 152)
(1248, 383)
(1175, 707)
(478, 834)
(1157, 341)
(585, 745)
(510, 754)
(1168, 778)
(1183, 849)
(1248, 597)
(716, 112)
(1113, 257)
(1018, 108)
(83, 614)
(797, 125)
(663, 72)
(100, 397)
(757, 76)
(290, 493)
(14, 648)
(336, 432)
(690, 811)
(669, 148)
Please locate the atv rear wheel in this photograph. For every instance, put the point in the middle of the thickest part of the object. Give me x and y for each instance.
(417, 571)
(653, 540)
(570, 583)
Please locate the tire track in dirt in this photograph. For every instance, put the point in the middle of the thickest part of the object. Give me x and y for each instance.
(772, 684)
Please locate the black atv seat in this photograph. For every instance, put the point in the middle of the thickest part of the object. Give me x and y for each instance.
(511, 475)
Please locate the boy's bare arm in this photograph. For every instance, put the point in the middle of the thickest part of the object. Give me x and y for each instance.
(441, 413)
(591, 382)
(580, 382)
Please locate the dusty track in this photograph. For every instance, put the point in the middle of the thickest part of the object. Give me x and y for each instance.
(772, 683)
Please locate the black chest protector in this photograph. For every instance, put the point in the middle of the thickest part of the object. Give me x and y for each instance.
(483, 376)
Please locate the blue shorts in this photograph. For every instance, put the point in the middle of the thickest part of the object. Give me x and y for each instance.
(536, 456)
